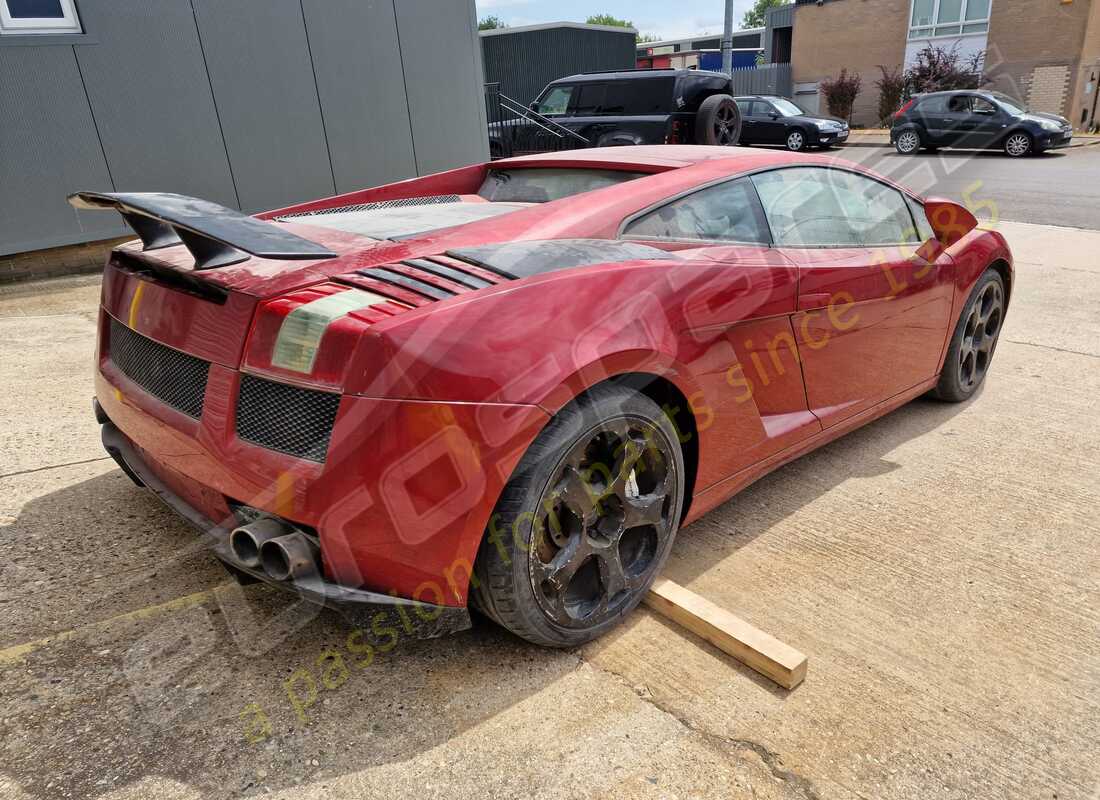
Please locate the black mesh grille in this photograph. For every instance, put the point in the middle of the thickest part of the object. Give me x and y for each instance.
(431, 200)
(281, 417)
(174, 378)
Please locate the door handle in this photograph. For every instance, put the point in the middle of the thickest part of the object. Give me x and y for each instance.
(807, 302)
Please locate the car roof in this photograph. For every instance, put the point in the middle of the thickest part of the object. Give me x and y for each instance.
(644, 158)
(635, 74)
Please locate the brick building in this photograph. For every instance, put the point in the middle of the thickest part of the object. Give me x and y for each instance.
(1044, 52)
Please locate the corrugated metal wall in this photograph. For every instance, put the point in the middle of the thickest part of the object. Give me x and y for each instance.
(250, 103)
(765, 79)
(525, 61)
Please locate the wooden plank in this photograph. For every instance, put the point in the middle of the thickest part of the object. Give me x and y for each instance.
(749, 645)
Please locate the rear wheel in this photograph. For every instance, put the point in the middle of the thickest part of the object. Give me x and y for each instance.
(586, 521)
(718, 121)
(907, 142)
(974, 341)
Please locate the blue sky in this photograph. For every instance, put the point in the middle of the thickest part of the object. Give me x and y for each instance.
(669, 19)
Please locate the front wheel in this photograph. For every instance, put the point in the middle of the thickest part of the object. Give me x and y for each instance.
(796, 141)
(586, 522)
(1018, 144)
(974, 340)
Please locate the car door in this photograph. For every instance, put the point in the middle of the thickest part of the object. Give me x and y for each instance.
(986, 122)
(736, 335)
(555, 104)
(953, 122)
(770, 123)
(872, 315)
(748, 122)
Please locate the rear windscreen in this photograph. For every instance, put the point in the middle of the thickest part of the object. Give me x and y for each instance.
(532, 185)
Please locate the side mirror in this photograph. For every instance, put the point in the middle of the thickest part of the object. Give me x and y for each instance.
(950, 221)
(533, 105)
(774, 115)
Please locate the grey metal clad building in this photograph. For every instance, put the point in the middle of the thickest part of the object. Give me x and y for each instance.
(524, 59)
(253, 104)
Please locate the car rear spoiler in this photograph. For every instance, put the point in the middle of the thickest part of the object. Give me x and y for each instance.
(216, 236)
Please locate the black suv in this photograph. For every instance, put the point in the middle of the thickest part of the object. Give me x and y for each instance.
(649, 106)
(766, 119)
(976, 119)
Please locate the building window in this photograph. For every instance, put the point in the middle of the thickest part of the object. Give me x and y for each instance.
(933, 18)
(38, 16)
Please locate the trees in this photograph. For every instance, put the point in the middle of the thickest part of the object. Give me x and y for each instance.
(841, 92)
(490, 22)
(754, 17)
(891, 88)
(607, 19)
(937, 70)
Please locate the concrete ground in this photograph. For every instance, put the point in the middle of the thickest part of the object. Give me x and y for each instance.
(940, 567)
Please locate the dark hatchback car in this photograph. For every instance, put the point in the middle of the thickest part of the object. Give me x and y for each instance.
(775, 120)
(651, 106)
(976, 119)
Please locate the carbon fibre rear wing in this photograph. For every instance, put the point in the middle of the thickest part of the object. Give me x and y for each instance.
(216, 236)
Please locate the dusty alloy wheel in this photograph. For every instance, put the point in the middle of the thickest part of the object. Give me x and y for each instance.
(718, 121)
(975, 340)
(907, 143)
(583, 527)
(1018, 144)
(796, 140)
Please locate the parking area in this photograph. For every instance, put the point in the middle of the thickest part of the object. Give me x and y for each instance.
(940, 568)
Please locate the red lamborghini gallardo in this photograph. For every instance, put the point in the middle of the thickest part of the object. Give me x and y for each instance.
(508, 385)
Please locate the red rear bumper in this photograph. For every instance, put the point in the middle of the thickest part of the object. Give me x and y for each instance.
(399, 504)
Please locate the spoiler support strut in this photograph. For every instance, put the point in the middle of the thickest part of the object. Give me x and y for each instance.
(215, 235)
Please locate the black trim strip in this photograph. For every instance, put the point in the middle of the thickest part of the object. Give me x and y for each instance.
(450, 273)
(404, 281)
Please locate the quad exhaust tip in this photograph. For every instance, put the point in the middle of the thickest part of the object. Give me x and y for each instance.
(276, 547)
(290, 557)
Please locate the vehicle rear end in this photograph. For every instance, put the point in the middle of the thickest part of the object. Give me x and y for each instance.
(225, 391)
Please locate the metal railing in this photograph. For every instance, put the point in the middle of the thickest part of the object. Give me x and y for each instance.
(515, 129)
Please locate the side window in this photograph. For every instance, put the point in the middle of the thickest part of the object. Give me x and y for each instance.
(761, 108)
(727, 212)
(816, 207)
(959, 104)
(932, 105)
(638, 96)
(920, 219)
(982, 106)
(743, 106)
(556, 101)
(591, 98)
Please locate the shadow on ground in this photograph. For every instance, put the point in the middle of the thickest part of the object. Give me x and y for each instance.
(193, 695)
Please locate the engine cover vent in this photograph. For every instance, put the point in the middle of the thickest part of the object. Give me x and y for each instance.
(401, 203)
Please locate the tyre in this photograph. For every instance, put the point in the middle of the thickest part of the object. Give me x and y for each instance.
(586, 521)
(718, 121)
(796, 140)
(1018, 144)
(907, 142)
(974, 341)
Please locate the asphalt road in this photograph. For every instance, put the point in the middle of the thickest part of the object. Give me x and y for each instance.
(940, 567)
(1058, 188)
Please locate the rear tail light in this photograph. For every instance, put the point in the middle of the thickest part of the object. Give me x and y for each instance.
(677, 132)
(904, 108)
(310, 335)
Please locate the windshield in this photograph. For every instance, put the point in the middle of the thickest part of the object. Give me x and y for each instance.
(787, 108)
(1009, 105)
(535, 185)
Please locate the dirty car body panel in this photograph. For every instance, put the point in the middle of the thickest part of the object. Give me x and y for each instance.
(378, 395)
